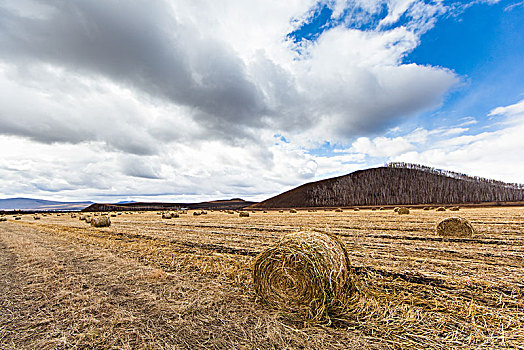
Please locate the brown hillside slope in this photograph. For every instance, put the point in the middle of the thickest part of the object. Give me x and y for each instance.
(396, 184)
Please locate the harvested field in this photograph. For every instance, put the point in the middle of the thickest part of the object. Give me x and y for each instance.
(148, 283)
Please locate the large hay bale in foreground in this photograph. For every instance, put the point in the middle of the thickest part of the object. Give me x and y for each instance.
(307, 274)
(455, 227)
(101, 221)
(403, 211)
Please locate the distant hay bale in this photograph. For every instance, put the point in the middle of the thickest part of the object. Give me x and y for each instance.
(441, 209)
(243, 214)
(18, 218)
(3, 218)
(373, 209)
(175, 215)
(426, 208)
(265, 211)
(396, 209)
(36, 217)
(338, 210)
(356, 209)
(73, 216)
(196, 213)
(455, 226)
(293, 211)
(203, 212)
(381, 208)
(454, 208)
(118, 213)
(167, 215)
(280, 211)
(403, 211)
(307, 274)
(101, 221)
(113, 215)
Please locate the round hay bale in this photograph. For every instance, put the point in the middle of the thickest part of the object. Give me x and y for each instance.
(167, 215)
(243, 214)
(18, 218)
(454, 208)
(396, 209)
(338, 210)
(196, 213)
(441, 209)
(292, 211)
(203, 212)
(36, 217)
(101, 221)
(175, 215)
(2, 218)
(455, 226)
(280, 211)
(113, 215)
(426, 208)
(403, 211)
(373, 209)
(307, 274)
(265, 211)
(381, 208)
(356, 209)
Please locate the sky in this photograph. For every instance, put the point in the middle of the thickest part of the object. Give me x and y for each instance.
(177, 100)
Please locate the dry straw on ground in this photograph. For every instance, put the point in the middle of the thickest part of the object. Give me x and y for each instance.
(306, 274)
(455, 226)
(101, 221)
(403, 211)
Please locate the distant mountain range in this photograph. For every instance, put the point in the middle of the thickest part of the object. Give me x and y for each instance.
(397, 184)
(226, 204)
(40, 204)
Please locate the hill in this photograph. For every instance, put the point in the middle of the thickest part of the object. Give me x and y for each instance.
(227, 204)
(397, 184)
(40, 204)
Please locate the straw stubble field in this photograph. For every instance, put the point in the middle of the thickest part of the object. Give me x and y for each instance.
(185, 283)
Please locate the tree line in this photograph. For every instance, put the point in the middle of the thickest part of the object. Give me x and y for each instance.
(405, 183)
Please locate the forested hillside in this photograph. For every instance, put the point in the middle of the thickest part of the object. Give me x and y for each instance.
(397, 184)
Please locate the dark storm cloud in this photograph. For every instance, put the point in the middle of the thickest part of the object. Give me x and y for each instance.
(140, 45)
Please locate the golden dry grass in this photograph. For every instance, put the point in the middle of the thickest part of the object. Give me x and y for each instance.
(147, 283)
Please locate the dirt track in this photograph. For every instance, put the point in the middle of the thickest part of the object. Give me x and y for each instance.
(185, 283)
